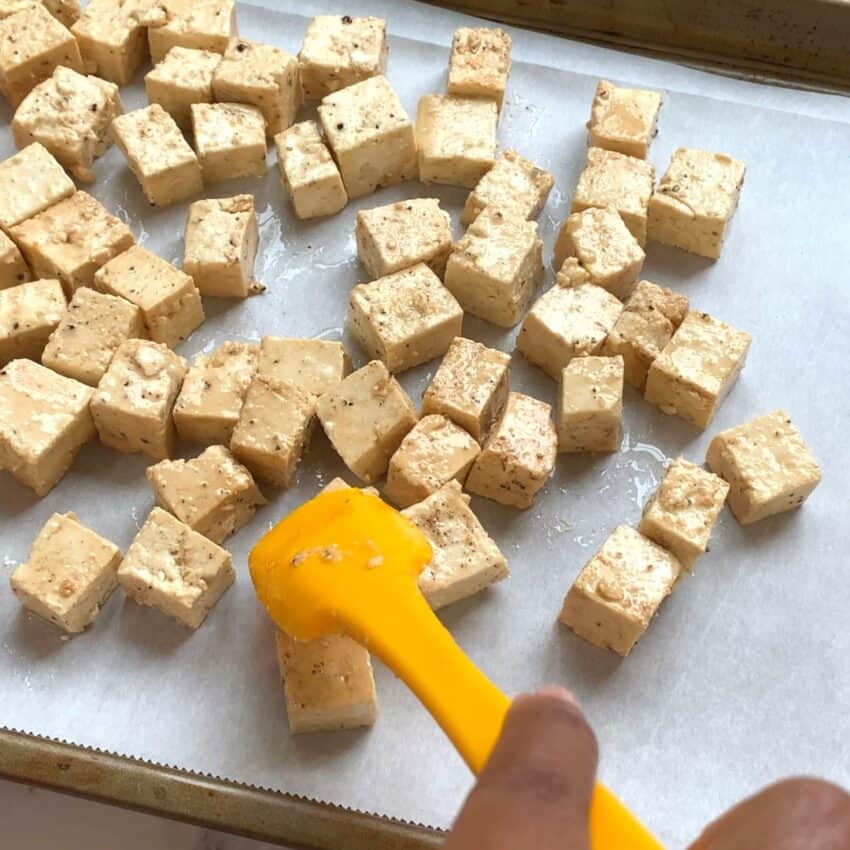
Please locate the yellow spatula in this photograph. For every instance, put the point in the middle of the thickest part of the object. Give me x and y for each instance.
(346, 562)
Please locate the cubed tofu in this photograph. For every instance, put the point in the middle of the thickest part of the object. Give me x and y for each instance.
(221, 246)
(44, 421)
(29, 313)
(697, 368)
(650, 318)
(590, 405)
(183, 77)
(619, 590)
(470, 387)
(313, 365)
(768, 466)
(10, 7)
(67, 12)
(570, 320)
(262, 75)
(434, 452)
(199, 24)
(160, 158)
(400, 235)
(695, 200)
(175, 570)
(405, 319)
(308, 171)
(230, 140)
(327, 682)
(70, 115)
(456, 138)
(71, 240)
(69, 575)
(479, 63)
(13, 266)
(132, 404)
(623, 120)
(89, 333)
(371, 136)
(366, 416)
(212, 493)
(464, 558)
(213, 391)
(169, 300)
(519, 454)
(339, 51)
(496, 267)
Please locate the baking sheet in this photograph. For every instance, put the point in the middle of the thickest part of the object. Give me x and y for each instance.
(743, 677)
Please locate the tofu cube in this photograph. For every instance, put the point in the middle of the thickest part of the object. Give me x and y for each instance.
(623, 120)
(697, 368)
(308, 171)
(183, 77)
(519, 454)
(31, 181)
(89, 333)
(213, 391)
(767, 464)
(315, 366)
(695, 200)
(339, 51)
(590, 405)
(405, 319)
(479, 63)
(366, 416)
(13, 266)
(619, 590)
(9, 7)
(400, 235)
(496, 267)
(570, 320)
(465, 559)
(212, 493)
(44, 421)
(69, 575)
(456, 138)
(434, 452)
(70, 115)
(199, 24)
(65, 11)
(221, 246)
(370, 135)
(175, 570)
(470, 387)
(29, 313)
(132, 404)
(169, 300)
(230, 140)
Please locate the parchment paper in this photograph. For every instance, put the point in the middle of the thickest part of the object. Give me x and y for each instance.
(744, 676)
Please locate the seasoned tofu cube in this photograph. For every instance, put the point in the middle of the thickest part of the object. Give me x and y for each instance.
(213, 391)
(590, 405)
(470, 387)
(199, 24)
(71, 240)
(405, 319)
(70, 115)
(327, 682)
(29, 313)
(44, 421)
(176, 570)
(221, 246)
(169, 300)
(456, 138)
(212, 493)
(695, 200)
(371, 136)
(496, 267)
(619, 589)
(9, 7)
(519, 454)
(89, 334)
(697, 368)
(623, 120)
(230, 140)
(604, 247)
(69, 575)
(13, 266)
(31, 181)
(308, 171)
(313, 365)
(132, 404)
(767, 464)
(67, 12)
(366, 416)
(339, 51)
(183, 77)
(434, 452)
(400, 235)
(479, 63)
(570, 320)
(464, 559)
